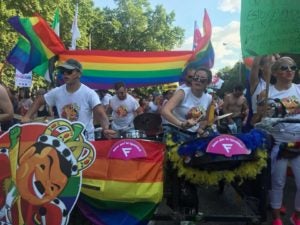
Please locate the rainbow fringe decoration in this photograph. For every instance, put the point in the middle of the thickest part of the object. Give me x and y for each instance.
(123, 192)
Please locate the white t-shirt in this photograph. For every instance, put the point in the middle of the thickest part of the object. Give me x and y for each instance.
(190, 103)
(105, 100)
(123, 112)
(288, 132)
(152, 107)
(77, 106)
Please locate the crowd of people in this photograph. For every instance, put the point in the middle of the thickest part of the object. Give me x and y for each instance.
(185, 112)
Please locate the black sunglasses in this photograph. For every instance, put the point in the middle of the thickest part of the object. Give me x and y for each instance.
(199, 79)
(67, 71)
(286, 68)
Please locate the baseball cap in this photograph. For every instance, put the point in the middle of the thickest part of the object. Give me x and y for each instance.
(71, 64)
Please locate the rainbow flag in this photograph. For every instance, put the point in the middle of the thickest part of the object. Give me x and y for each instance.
(38, 43)
(203, 50)
(125, 183)
(101, 69)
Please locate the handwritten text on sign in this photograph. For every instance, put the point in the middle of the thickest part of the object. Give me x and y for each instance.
(269, 26)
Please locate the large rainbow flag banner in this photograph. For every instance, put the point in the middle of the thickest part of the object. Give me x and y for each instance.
(125, 183)
(101, 69)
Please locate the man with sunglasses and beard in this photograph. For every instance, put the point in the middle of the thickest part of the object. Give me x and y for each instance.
(74, 101)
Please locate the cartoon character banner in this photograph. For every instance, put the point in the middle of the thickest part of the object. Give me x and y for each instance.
(41, 171)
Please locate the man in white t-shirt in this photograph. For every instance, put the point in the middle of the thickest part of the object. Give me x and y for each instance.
(124, 109)
(74, 101)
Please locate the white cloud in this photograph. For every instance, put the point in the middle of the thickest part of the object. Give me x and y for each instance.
(229, 5)
(226, 44)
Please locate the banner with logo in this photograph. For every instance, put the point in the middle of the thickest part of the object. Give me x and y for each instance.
(125, 184)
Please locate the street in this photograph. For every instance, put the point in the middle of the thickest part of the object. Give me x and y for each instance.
(229, 208)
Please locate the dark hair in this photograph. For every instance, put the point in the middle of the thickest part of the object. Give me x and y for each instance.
(26, 92)
(238, 87)
(207, 71)
(118, 85)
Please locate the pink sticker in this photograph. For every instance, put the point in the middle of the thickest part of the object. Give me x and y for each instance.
(227, 145)
(127, 149)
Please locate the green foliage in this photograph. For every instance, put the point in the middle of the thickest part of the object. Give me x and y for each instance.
(132, 26)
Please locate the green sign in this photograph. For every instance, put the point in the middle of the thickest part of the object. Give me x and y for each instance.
(270, 26)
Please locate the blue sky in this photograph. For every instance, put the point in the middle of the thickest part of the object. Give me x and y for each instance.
(224, 16)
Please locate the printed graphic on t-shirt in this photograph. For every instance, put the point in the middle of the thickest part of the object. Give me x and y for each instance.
(291, 105)
(122, 111)
(195, 113)
(70, 112)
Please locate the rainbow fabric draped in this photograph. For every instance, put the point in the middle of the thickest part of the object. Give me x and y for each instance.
(37, 44)
(123, 191)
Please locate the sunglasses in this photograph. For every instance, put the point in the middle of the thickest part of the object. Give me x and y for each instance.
(199, 79)
(286, 68)
(69, 72)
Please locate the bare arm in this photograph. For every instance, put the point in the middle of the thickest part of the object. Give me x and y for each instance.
(6, 106)
(226, 104)
(254, 79)
(170, 105)
(101, 117)
(38, 102)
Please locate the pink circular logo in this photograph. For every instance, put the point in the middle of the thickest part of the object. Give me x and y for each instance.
(127, 149)
(227, 145)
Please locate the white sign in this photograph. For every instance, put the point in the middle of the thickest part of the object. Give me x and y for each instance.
(23, 80)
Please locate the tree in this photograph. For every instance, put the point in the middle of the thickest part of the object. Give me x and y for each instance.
(133, 25)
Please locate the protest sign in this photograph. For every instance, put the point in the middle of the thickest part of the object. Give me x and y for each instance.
(23, 80)
(269, 26)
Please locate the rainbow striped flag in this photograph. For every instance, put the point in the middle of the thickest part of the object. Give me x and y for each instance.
(203, 50)
(125, 183)
(37, 44)
(101, 69)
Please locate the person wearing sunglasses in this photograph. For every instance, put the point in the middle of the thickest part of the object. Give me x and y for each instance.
(188, 77)
(186, 111)
(74, 101)
(284, 71)
(258, 78)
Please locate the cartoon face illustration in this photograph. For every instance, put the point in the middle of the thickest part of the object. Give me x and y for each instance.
(194, 113)
(70, 112)
(121, 111)
(40, 174)
(40, 165)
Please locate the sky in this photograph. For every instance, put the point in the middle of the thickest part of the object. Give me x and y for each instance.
(225, 19)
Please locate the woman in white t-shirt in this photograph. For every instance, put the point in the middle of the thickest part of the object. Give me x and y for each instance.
(289, 95)
(186, 111)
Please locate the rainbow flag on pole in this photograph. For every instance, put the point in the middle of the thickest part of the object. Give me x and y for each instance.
(39, 43)
(125, 183)
(101, 69)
